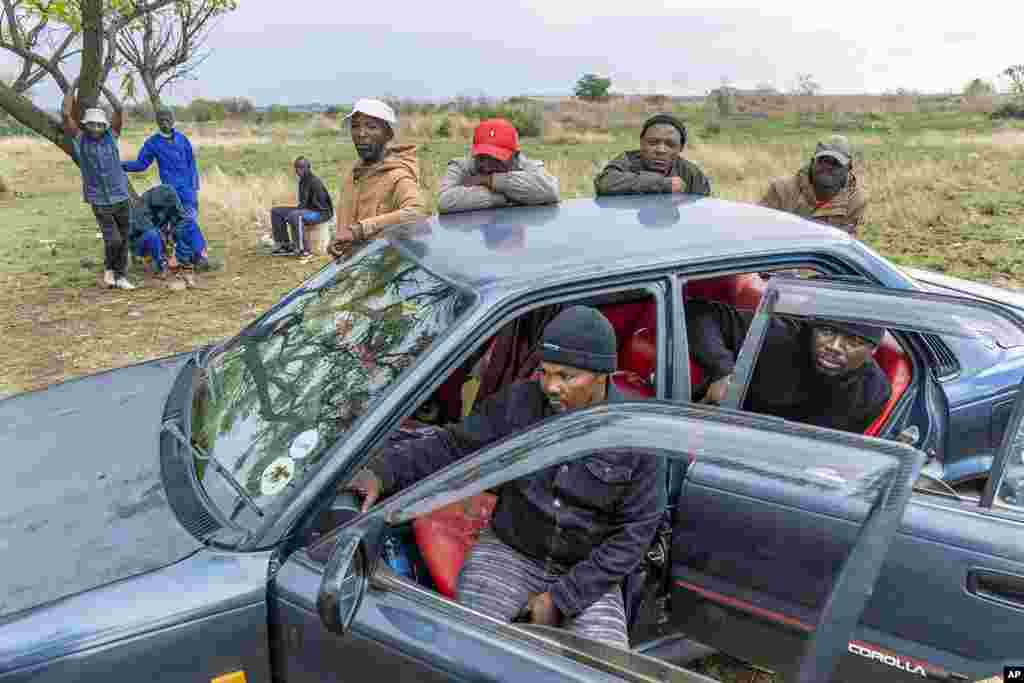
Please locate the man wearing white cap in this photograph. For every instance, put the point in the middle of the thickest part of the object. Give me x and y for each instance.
(825, 190)
(384, 187)
(104, 183)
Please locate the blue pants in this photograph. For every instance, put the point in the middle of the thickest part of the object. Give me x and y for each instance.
(189, 243)
(152, 246)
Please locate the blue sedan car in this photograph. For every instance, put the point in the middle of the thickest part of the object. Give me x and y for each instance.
(180, 519)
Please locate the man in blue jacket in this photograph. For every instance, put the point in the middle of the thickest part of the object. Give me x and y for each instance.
(177, 165)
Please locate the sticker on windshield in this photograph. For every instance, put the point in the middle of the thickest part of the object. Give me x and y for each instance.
(277, 475)
(303, 444)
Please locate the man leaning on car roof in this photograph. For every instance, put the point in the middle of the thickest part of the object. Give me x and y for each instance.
(495, 174)
(384, 187)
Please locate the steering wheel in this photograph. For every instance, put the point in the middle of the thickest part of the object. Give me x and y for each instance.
(346, 506)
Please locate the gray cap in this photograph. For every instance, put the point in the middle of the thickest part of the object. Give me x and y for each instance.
(835, 146)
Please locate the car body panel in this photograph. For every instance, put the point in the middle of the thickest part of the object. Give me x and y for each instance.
(205, 616)
(86, 505)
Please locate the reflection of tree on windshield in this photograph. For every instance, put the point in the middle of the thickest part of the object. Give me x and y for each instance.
(316, 363)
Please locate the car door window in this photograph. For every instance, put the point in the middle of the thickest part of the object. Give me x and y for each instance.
(1004, 490)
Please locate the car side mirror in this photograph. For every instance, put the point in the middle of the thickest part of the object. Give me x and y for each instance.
(344, 584)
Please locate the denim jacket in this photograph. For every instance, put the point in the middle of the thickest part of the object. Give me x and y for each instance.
(104, 182)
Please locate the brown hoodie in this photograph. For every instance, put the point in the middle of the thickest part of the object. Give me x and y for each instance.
(383, 193)
(795, 194)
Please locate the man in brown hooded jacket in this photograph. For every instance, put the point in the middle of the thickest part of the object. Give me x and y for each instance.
(383, 188)
(826, 190)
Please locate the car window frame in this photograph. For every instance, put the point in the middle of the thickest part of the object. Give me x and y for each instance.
(1011, 444)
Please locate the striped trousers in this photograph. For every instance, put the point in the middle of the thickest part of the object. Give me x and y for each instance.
(498, 580)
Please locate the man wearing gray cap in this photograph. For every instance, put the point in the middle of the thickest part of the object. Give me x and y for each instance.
(562, 539)
(104, 183)
(825, 190)
(384, 187)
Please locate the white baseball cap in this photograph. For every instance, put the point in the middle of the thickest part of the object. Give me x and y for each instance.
(376, 109)
(95, 115)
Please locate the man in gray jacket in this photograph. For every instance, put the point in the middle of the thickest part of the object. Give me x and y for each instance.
(496, 174)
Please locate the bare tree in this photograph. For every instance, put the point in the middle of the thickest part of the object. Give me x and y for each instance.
(167, 46)
(806, 85)
(95, 25)
(41, 43)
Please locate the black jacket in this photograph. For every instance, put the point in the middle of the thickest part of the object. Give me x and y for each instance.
(315, 197)
(626, 174)
(785, 382)
(159, 207)
(594, 517)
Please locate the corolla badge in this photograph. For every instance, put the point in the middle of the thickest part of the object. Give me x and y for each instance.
(303, 444)
(277, 475)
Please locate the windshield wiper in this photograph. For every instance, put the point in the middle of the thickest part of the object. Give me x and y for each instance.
(171, 428)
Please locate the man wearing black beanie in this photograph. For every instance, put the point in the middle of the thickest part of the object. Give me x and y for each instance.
(563, 539)
(817, 372)
(657, 167)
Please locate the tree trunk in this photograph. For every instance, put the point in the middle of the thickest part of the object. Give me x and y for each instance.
(90, 78)
(149, 83)
(23, 111)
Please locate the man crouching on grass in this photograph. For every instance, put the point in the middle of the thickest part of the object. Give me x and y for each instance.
(563, 539)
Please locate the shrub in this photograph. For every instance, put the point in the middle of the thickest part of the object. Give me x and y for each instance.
(1010, 110)
(592, 87)
(445, 129)
(201, 110)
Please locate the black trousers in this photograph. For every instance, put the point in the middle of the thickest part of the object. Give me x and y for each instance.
(115, 223)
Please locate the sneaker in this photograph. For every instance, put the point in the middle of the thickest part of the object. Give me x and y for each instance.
(176, 284)
(304, 254)
(108, 278)
(283, 250)
(122, 283)
(189, 279)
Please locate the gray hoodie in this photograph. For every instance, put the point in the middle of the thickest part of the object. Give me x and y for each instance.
(526, 183)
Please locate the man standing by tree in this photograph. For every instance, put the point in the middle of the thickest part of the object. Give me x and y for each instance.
(383, 188)
(496, 174)
(176, 162)
(825, 190)
(657, 167)
(104, 183)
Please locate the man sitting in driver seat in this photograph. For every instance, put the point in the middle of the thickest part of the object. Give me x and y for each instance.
(562, 539)
(819, 373)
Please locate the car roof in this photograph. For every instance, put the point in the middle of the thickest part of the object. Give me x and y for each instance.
(580, 238)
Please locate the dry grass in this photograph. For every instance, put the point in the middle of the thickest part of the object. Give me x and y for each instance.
(556, 133)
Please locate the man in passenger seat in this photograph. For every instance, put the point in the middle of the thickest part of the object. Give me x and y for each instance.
(820, 373)
(562, 539)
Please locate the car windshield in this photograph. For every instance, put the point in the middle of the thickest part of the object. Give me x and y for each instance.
(272, 401)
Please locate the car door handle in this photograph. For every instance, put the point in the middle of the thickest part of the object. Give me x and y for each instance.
(1007, 589)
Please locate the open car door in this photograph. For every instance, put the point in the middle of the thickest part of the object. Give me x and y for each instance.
(759, 563)
(357, 619)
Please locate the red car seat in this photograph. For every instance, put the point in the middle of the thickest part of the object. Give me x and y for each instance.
(897, 366)
(445, 536)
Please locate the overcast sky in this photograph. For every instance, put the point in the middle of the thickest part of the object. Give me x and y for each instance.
(299, 51)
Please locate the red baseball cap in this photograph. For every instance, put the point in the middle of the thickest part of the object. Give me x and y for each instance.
(497, 138)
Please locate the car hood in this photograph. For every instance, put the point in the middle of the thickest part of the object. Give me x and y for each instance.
(81, 498)
(943, 284)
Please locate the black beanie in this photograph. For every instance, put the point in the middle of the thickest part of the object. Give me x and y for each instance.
(669, 120)
(580, 337)
(868, 333)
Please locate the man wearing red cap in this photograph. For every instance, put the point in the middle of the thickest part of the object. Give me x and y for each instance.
(496, 174)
